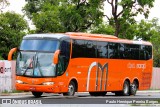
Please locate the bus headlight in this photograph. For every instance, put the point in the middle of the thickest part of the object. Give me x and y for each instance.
(48, 83)
(19, 82)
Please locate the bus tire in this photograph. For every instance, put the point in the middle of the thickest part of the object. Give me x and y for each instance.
(71, 89)
(133, 88)
(37, 94)
(126, 87)
(125, 91)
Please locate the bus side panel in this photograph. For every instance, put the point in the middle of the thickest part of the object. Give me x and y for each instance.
(92, 79)
(112, 80)
(146, 75)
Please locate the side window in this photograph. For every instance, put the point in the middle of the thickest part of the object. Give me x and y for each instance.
(148, 50)
(113, 51)
(64, 56)
(89, 49)
(134, 52)
(121, 51)
(102, 49)
(142, 53)
(78, 48)
(127, 51)
(131, 51)
(83, 49)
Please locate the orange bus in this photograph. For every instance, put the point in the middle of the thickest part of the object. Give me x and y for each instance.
(80, 62)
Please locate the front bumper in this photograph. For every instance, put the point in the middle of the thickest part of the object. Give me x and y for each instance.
(39, 88)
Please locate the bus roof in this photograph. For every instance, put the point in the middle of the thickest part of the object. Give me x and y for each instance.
(86, 36)
(46, 35)
(103, 37)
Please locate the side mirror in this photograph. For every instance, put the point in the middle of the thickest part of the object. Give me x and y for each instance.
(13, 50)
(55, 57)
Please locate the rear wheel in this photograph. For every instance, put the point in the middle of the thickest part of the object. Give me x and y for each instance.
(133, 88)
(125, 91)
(71, 89)
(37, 94)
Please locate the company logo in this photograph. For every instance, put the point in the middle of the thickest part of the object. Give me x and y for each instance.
(21, 101)
(6, 101)
(137, 66)
(103, 75)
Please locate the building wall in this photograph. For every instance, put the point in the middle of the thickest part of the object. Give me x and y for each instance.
(7, 75)
(155, 78)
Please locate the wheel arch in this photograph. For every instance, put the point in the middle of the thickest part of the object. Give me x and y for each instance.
(126, 79)
(75, 82)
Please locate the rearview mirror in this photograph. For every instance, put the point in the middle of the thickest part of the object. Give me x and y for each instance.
(10, 54)
(55, 57)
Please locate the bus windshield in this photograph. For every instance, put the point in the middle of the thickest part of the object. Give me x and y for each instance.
(35, 58)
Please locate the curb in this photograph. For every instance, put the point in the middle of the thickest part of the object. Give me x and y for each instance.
(14, 94)
(149, 91)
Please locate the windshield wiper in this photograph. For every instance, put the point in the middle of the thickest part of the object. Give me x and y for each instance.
(28, 67)
(25, 71)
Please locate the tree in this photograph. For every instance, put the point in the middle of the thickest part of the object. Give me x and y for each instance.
(103, 29)
(141, 30)
(64, 15)
(156, 48)
(12, 29)
(155, 38)
(129, 9)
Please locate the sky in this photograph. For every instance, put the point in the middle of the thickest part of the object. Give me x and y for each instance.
(16, 5)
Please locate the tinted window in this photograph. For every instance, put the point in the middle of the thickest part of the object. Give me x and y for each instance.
(121, 51)
(142, 53)
(89, 49)
(65, 48)
(131, 51)
(102, 49)
(63, 57)
(134, 49)
(113, 50)
(39, 45)
(148, 50)
(145, 52)
(78, 48)
(83, 48)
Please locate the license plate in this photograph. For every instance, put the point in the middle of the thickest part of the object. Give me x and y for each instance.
(32, 88)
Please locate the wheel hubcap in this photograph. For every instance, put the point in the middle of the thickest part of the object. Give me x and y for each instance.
(71, 89)
(134, 87)
(126, 88)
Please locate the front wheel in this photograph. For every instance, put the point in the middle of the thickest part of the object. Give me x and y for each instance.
(37, 94)
(71, 89)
